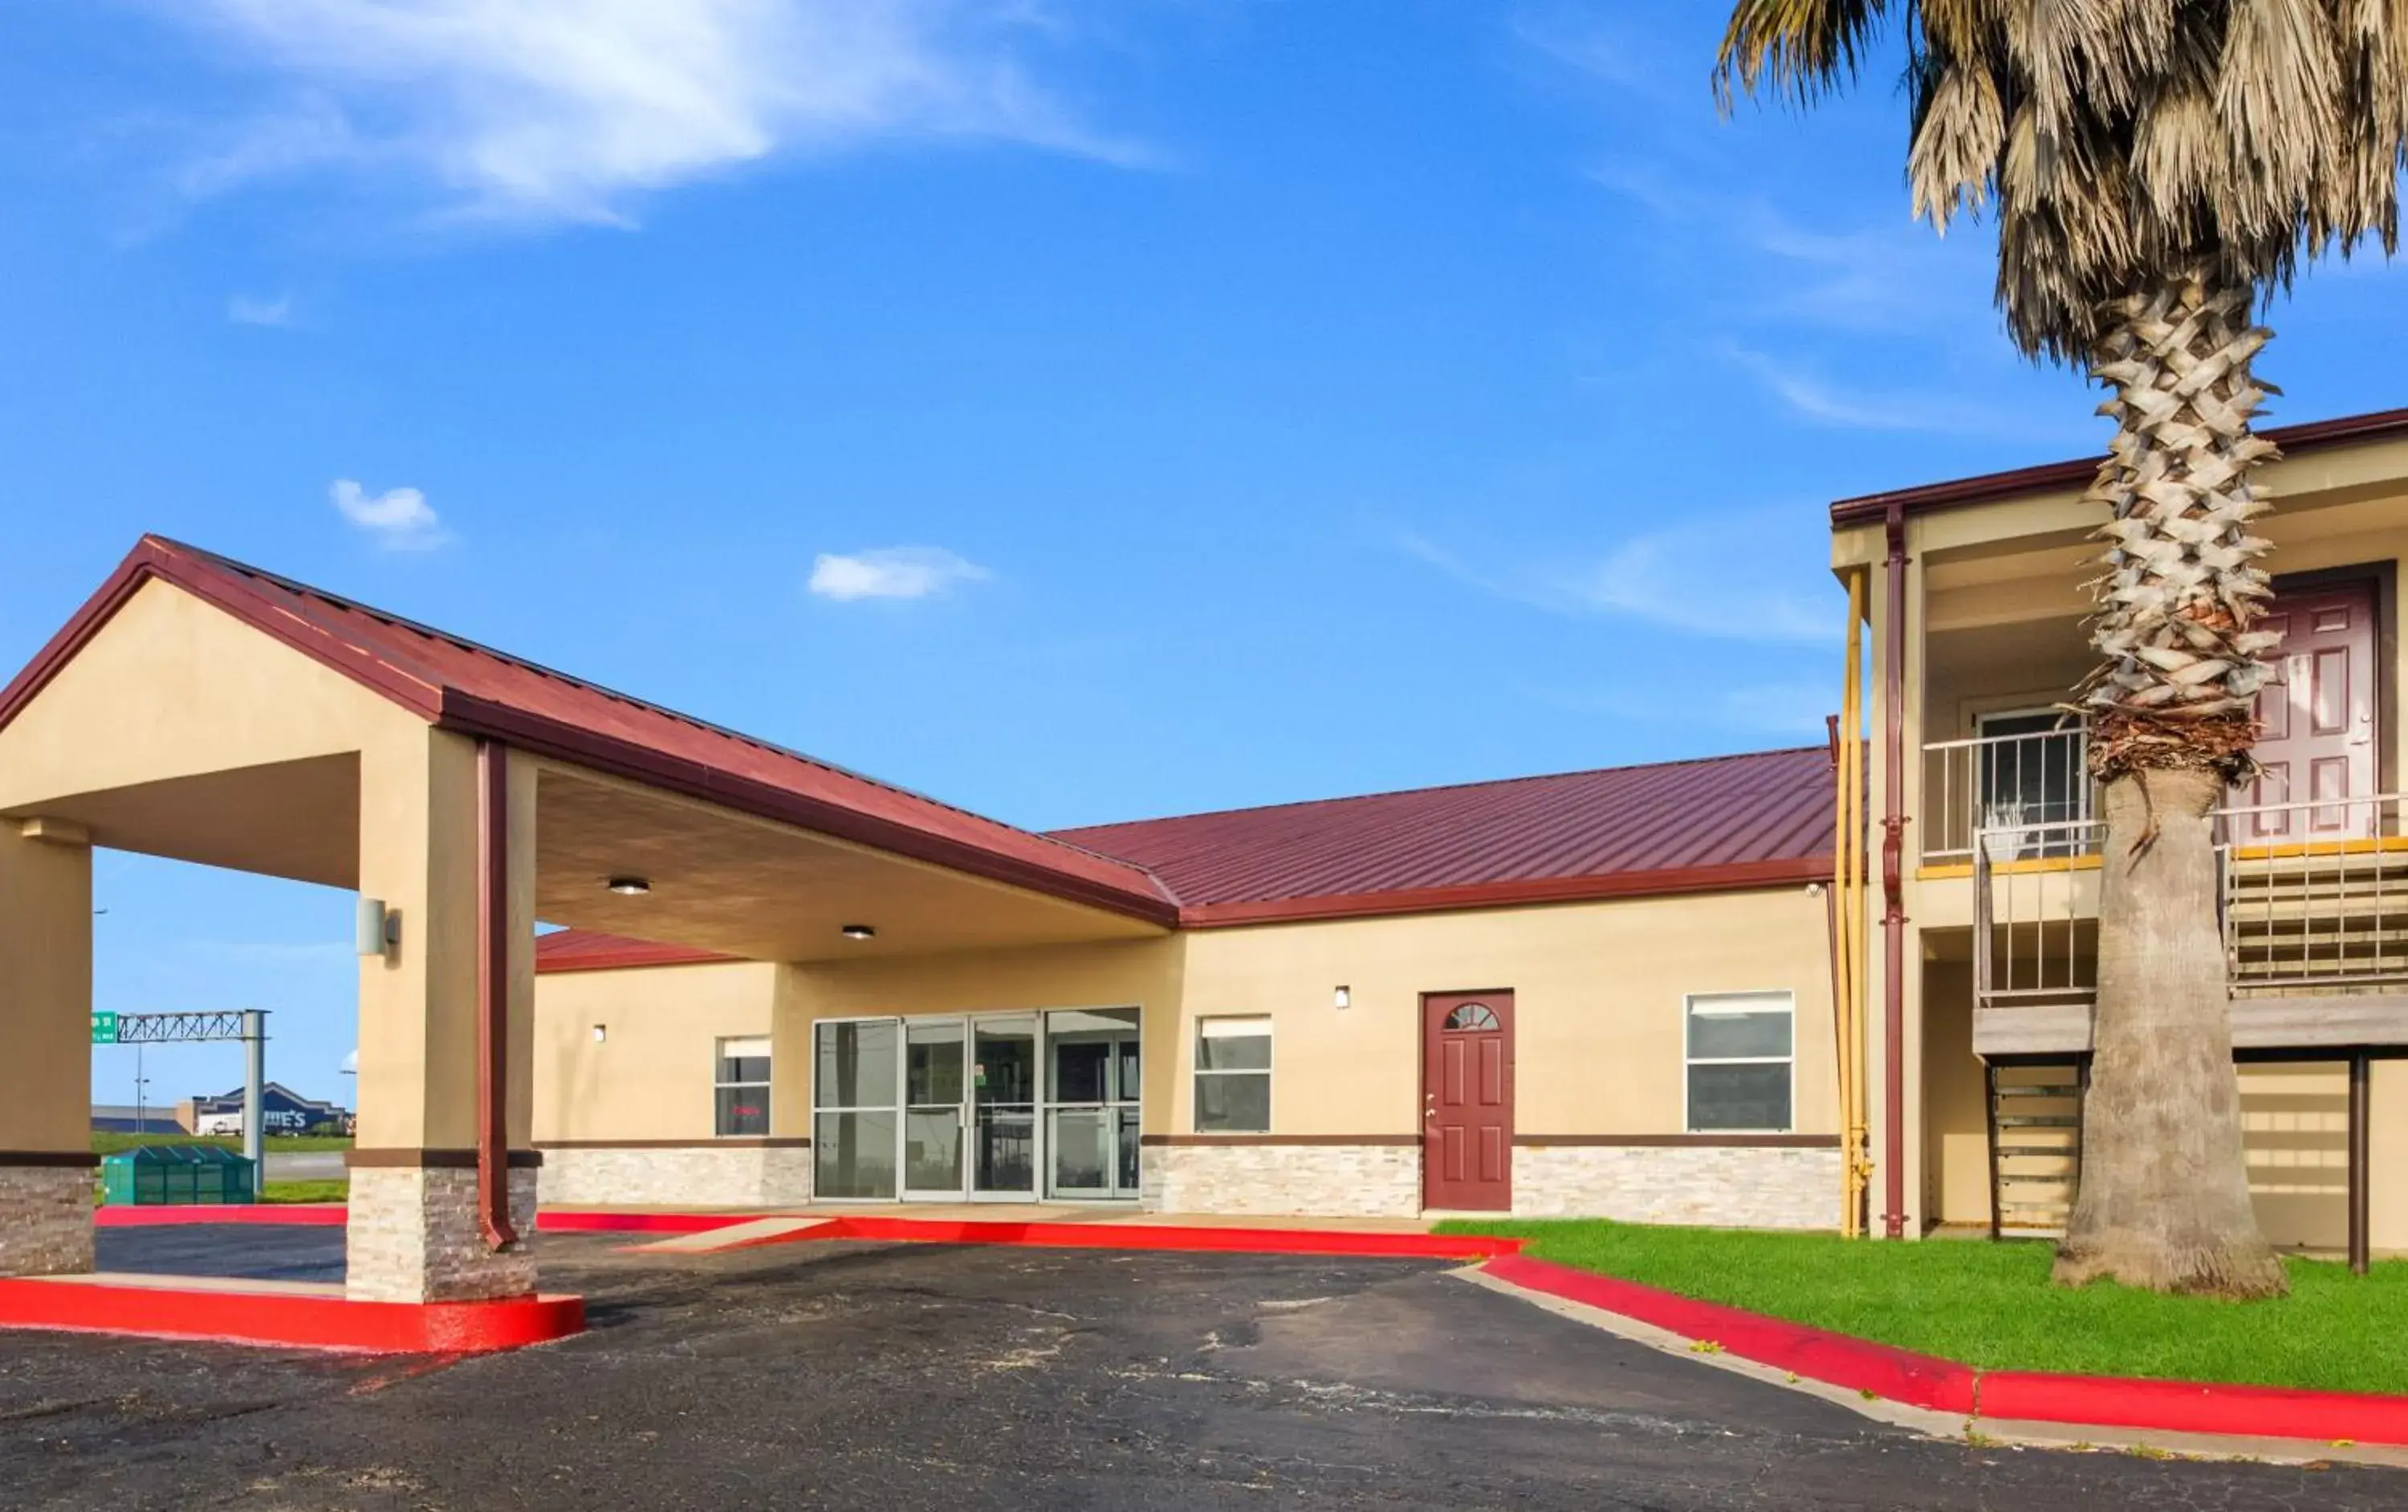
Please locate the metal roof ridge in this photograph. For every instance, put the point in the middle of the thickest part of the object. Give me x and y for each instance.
(1440, 787)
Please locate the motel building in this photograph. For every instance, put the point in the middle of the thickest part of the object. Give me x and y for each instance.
(1838, 987)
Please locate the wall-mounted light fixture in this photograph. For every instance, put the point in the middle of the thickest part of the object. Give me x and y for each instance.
(629, 887)
(375, 928)
(1342, 998)
(601, 1033)
(859, 932)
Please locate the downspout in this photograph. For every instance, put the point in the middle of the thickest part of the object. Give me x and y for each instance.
(1893, 876)
(494, 993)
(1848, 922)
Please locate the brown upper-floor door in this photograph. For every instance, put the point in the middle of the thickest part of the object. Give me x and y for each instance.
(1468, 1100)
(2316, 715)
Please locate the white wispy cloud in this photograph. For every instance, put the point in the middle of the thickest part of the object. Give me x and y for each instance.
(565, 109)
(246, 309)
(900, 572)
(1863, 409)
(397, 520)
(1733, 576)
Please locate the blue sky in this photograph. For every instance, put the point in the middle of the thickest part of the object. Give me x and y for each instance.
(1079, 411)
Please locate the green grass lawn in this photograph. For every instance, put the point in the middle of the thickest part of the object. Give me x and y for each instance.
(110, 1144)
(1992, 1306)
(306, 1191)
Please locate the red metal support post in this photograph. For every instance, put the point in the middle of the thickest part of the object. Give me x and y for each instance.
(2361, 1071)
(494, 993)
(1893, 876)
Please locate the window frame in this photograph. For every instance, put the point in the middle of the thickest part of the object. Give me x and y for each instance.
(719, 1082)
(1198, 1072)
(1688, 1012)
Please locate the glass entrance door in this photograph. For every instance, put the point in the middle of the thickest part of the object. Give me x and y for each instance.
(1091, 1103)
(1003, 1108)
(936, 1060)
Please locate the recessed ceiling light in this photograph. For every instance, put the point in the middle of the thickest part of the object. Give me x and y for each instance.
(629, 887)
(859, 932)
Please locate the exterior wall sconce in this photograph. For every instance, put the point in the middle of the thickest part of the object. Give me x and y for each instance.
(1342, 998)
(601, 1033)
(629, 887)
(375, 928)
(859, 932)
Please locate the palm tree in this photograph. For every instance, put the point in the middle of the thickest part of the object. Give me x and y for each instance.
(2156, 169)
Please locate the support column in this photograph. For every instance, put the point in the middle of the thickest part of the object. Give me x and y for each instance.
(2362, 1074)
(46, 1160)
(418, 1230)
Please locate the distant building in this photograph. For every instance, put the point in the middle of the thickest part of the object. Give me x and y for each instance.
(126, 1117)
(287, 1112)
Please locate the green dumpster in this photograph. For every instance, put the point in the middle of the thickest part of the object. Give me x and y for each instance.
(175, 1174)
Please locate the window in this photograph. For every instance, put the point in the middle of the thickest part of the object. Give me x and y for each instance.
(1477, 1018)
(2035, 782)
(1739, 1047)
(740, 1088)
(1233, 1076)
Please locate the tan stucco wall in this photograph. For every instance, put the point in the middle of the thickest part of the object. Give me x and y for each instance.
(1598, 990)
(45, 993)
(651, 1077)
(173, 687)
(1139, 974)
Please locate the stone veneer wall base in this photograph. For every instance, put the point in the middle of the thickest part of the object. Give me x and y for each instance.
(1303, 1180)
(413, 1237)
(693, 1176)
(1725, 1186)
(45, 1220)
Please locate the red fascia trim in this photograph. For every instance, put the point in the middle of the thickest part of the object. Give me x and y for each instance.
(1668, 882)
(282, 1319)
(321, 1215)
(470, 715)
(2052, 477)
(1917, 1380)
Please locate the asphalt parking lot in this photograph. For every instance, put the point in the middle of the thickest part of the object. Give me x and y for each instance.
(905, 1376)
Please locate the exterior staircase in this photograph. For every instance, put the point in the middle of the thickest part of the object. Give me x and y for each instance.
(2035, 1115)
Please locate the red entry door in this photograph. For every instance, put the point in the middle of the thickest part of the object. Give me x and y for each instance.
(1468, 1100)
(2317, 717)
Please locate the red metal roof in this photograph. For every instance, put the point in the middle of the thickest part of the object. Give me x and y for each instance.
(1731, 821)
(460, 685)
(588, 949)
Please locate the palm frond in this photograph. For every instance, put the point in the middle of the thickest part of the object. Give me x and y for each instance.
(1796, 48)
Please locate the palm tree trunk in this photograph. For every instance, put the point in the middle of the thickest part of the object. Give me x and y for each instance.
(2164, 1194)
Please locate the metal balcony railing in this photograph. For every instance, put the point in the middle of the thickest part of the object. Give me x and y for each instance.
(2014, 793)
(2313, 897)
(2316, 894)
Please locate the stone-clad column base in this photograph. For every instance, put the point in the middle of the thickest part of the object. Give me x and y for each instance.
(45, 1220)
(413, 1237)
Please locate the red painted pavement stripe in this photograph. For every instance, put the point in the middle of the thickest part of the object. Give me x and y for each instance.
(2195, 1408)
(1917, 1380)
(572, 1221)
(329, 1214)
(1167, 1236)
(293, 1321)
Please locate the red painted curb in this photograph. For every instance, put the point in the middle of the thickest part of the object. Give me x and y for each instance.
(1164, 1236)
(332, 1215)
(1917, 1380)
(2194, 1407)
(573, 1220)
(288, 1321)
